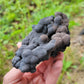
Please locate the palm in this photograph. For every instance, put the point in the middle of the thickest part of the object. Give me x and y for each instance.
(47, 72)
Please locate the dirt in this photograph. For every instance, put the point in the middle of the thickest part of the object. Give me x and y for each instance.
(76, 76)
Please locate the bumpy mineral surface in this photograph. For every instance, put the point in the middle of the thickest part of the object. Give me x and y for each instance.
(46, 39)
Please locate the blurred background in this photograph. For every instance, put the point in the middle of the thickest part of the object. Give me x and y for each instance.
(16, 20)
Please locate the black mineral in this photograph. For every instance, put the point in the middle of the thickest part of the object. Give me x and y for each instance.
(50, 36)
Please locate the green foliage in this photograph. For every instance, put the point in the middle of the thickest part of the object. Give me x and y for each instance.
(17, 17)
(72, 23)
(82, 61)
(66, 64)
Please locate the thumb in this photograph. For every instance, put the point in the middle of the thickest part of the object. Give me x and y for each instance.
(13, 76)
(19, 44)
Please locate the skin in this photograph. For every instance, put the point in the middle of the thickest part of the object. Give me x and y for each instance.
(47, 72)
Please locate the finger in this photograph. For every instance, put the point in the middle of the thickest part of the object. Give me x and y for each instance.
(39, 69)
(38, 64)
(19, 44)
(54, 73)
(51, 60)
(29, 76)
(54, 69)
(42, 66)
(59, 56)
(13, 75)
(38, 80)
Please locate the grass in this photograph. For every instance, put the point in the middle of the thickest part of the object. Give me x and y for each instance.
(17, 18)
(68, 64)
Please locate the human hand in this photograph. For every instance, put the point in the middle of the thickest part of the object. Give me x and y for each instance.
(47, 72)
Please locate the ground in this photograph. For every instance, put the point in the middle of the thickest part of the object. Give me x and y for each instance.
(76, 75)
